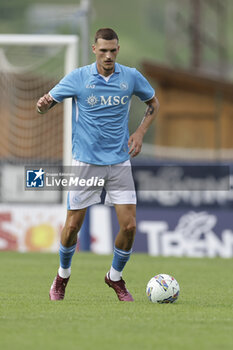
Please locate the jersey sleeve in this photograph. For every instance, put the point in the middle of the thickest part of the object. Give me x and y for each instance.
(67, 87)
(142, 87)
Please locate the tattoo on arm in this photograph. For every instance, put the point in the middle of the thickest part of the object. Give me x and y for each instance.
(150, 110)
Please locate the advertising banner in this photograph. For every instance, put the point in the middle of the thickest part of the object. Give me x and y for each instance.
(165, 232)
(183, 185)
(31, 228)
(182, 210)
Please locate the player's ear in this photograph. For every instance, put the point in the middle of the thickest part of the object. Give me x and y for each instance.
(94, 48)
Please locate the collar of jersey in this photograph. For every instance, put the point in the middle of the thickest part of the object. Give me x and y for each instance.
(94, 70)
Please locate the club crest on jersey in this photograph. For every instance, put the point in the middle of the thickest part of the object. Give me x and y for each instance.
(123, 85)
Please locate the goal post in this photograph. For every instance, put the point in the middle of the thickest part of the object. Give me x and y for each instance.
(30, 64)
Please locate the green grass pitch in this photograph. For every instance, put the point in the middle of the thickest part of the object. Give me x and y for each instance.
(91, 317)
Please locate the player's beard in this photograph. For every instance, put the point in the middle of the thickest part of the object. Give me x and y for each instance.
(108, 67)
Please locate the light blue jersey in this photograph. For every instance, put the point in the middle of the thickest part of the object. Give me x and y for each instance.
(100, 111)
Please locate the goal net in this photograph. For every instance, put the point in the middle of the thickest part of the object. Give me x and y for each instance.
(30, 65)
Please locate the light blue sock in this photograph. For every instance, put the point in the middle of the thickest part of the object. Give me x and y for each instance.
(120, 258)
(66, 255)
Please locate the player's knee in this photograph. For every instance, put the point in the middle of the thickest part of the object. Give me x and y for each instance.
(130, 227)
(129, 230)
(71, 230)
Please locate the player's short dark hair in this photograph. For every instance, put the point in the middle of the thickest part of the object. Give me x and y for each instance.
(106, 34)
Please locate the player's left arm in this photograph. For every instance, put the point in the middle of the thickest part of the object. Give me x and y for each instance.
(136, 139)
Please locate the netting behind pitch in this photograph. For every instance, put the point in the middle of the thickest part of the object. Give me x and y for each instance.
(26, 73)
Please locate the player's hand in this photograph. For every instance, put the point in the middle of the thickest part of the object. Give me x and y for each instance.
(135, 143)
(44, 103)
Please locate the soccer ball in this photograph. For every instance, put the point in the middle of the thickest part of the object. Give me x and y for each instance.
(162, 289)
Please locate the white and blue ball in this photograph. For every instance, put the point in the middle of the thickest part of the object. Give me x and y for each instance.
(162, 289)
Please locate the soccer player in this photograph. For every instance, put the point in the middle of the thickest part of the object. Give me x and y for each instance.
(101, 93)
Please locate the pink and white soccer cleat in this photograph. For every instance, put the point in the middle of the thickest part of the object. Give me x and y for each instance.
(119, 287)
(57, 290)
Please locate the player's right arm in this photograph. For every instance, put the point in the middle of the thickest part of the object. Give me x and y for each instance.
(45, 103)
(66, 88)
